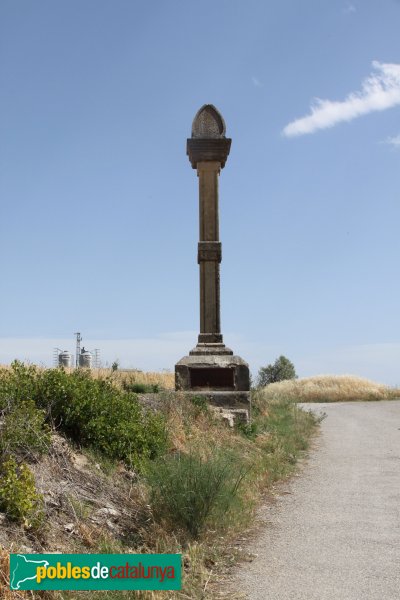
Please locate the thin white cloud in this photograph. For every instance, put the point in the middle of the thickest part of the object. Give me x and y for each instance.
(394, 141)
(380, 91)
(256, 82)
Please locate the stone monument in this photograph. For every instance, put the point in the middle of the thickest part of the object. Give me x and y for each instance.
(211, 369)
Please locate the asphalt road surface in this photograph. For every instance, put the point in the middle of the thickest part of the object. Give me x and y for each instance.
(334, 531)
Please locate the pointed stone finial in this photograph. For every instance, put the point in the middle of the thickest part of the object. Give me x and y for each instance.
(208, 142)
(208, 123)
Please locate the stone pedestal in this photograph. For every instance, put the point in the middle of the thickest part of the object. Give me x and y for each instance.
(211, 369)
(223, 379)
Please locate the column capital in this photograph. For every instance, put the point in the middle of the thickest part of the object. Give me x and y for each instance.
(208, 150)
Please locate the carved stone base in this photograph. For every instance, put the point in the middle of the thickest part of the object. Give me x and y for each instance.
(212, 371)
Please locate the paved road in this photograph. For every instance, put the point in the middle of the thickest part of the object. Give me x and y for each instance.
(335, 532)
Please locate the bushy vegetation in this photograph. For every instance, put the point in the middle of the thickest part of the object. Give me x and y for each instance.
(199, 488)
(23, 429)
(96, 413)
(280, 370)
(18, 496)
(190, 490)
(92, 412)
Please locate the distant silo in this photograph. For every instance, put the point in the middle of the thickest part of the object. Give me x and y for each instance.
(85, 359)
(65, 359)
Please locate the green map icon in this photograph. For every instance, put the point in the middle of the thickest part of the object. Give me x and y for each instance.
(23, 569)
(58, 571)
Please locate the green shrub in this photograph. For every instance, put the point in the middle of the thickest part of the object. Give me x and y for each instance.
(281, 370)
(249, 430)
(23, 430)
(92, 412)
(190, 491)
(18, 496)
(22, 425)
(17, 384)
(95, 413)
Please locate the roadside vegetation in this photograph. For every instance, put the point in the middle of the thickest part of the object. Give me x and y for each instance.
(86, 466)
(146, 382)
(327, 388)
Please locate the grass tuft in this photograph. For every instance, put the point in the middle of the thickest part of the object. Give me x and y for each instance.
(190, 491)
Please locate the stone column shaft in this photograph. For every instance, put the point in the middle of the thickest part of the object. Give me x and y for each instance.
(209, 253)
(208, 173)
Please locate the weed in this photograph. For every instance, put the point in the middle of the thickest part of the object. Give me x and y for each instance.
(108, 545)
(18, 496)
(200, 402)
(142, 388)
(81, 508)
(283, 434)
(23, 430)
(188, 490)
(249, 430)
(100, 461)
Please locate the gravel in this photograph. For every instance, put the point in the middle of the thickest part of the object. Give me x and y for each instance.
(334, 531)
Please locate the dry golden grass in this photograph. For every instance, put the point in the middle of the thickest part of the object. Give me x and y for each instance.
(191, 427)
(164, 379)
(329, 388)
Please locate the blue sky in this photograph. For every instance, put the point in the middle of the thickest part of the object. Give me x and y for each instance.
(99, 216)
